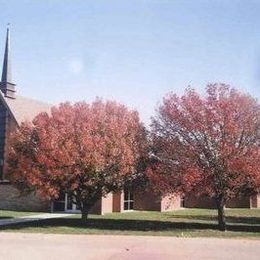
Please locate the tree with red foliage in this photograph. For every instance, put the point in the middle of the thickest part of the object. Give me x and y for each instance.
(85, 150)
(207, 145)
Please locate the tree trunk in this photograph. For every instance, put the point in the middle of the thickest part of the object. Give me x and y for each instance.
(84, 214)
(221, 214)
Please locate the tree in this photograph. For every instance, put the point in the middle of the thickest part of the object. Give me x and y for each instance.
(85, 150)
(207, 145)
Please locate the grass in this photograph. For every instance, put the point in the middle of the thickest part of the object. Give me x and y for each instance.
(6, 214)
(184, 223)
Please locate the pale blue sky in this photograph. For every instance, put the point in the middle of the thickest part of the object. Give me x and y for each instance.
(131, 51)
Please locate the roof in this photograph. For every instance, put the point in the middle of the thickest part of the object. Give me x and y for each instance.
(21, 108)
(25, 109)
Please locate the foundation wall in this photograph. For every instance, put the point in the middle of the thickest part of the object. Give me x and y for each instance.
(10, 199)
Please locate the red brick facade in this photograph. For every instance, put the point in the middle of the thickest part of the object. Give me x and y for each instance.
(145, 201)
(206, 202)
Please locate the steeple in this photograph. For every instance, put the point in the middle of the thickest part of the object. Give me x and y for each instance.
(6, 85)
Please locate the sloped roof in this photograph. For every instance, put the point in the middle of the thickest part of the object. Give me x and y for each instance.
(25, 109)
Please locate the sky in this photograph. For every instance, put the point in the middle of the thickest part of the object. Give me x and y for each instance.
(132, 51)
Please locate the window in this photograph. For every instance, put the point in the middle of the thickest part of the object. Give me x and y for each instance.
(59, 204)
(128, 199)
(65, 203)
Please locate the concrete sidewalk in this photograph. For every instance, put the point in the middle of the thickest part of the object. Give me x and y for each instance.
(24, 219)
(49, 246)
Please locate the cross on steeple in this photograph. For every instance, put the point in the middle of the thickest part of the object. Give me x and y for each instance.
(6, 85)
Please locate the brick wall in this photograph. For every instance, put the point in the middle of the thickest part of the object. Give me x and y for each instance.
(239, 202)
(96, 209)
(170, 202)
(255, 201)
(118, 201)
(198, 202)
(206, 202)
(107, 204)
(147, 200)
(10, 199)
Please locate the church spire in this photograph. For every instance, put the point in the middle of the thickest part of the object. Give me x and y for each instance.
(6, 85)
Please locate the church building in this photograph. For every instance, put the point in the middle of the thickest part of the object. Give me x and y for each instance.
(15, 109)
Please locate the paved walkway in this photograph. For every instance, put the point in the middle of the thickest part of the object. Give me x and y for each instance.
(24, 219)
(92, 247)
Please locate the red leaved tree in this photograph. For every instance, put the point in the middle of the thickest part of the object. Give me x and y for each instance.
(207, 145)
(85, 150)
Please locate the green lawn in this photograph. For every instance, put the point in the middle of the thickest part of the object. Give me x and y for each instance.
(186, 223)
(5, 214)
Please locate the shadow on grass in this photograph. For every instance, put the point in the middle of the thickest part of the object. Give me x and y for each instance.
(5, 217)
(127, 225)
(229, 219)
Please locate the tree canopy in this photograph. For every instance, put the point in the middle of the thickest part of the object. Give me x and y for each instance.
(207, 145)
(85, 150)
